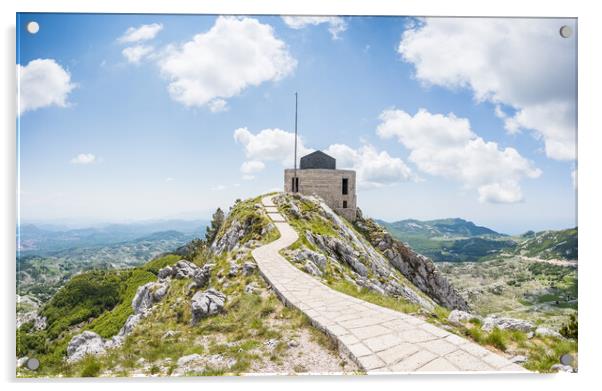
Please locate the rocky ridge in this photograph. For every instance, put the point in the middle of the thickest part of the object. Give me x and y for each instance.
(374, 257)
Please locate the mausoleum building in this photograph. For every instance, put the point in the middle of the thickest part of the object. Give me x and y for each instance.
(317, 175)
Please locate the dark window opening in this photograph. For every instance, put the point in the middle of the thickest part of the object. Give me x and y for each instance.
(295, 184)
(345, 185)
(344, 204)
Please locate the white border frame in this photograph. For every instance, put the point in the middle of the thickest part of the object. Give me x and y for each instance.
(590, 33)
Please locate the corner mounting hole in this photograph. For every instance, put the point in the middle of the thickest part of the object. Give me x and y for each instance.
(33, 27)
(566, 31)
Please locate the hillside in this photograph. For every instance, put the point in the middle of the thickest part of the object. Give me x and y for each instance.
(39, 276)
(550, 245)
(452, 228)
(449, 240)
(46, 239)
(207, 310)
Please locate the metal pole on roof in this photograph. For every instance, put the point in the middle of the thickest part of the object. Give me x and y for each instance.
(295, 170)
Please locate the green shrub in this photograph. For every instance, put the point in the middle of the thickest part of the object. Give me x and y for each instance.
(109, 323)
(91, 367)
(570, 329)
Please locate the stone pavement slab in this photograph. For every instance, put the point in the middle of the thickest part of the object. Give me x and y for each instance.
(378, 339)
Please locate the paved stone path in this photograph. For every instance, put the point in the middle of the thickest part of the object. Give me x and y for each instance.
(376, 338)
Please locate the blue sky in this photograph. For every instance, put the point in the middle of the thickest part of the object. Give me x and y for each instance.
(129, 117)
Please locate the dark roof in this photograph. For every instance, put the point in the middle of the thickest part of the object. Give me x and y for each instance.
(318, 159)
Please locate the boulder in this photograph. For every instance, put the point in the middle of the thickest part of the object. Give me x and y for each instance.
(207, 303)
(147, 295)
(22, 361)
(506, 324)
(166, 272)
(184, 269)
(248, 268)
(251, 288)
(546, 332)
(233, 269)
(312, 269)
(184, 360)
(459, 317)
(202, 275)
(86, 343)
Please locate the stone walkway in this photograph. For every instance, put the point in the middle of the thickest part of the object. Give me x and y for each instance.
(376, 338)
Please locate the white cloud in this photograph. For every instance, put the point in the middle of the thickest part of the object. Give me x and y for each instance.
(234, 54)
(248, 177)
(445, 146)
(143, 33)
(270, 145)
(336, 24)
(520, 63)
(84, 158)
(218, 105)
(252, 167)
(373, 168)
(136, 53)
(42, 83)
(169, 179)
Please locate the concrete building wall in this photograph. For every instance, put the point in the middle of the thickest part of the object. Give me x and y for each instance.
(327, 184)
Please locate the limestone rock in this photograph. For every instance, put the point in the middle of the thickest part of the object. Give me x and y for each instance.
(182, 361)
(546, 332)
(506, 324)
(317, 259)
(519, 359)
(184, 269)
(86, 343)
(248, 268)
(204, 304)
(562, 368)
(251, 288)
(22, 361)
(459, 317)
(147, 295)
(233, 269)
(312, 269)
(202, 275)
(166, 272)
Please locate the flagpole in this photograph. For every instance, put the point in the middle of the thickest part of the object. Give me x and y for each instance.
(295, 183)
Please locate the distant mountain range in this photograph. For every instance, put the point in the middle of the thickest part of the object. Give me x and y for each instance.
(34, 239)
(49, 257)
(550, 244)
(458, 240)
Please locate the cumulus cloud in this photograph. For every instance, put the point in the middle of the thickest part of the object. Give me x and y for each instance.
(270, 145)
(522, 64)
(336, 24)
(218, 105)
(145, 32)
(42, 83)
(84, 158)
(234, 54)
(252, 167)
(134, 54)
(445, 146)
(373, 168)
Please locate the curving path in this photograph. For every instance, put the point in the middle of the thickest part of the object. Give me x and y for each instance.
(376, 338)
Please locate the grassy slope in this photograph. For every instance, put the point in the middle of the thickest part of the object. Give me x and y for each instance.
(240, 333)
